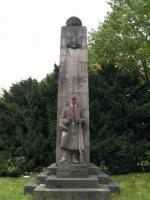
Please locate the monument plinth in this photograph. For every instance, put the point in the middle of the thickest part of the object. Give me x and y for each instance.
(72, 177)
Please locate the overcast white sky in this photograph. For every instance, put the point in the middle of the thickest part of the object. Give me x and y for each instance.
(30, 34)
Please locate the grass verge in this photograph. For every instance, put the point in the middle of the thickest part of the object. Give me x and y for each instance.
(12, 188)
(133, 187)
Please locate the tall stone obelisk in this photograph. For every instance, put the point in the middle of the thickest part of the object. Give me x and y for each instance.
(73, 77)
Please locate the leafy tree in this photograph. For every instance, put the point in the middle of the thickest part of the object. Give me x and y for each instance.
(124, 37)
(28, 125)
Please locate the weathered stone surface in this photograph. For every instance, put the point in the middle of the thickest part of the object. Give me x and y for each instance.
(55, 182)
(93, 169)
(73, 79)
(103, 178)
(114, 187)
(41, 193)
(28, 189)
(41, 177)
(73, 21)
(72, 170)
(51, 170)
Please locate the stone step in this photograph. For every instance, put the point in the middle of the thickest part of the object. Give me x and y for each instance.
(92, 169)
(29, 187)
(41, 193)
(41, 178)
(51, 169)
(55, 182)
(114, 187)
(103, 178)
(72, 170)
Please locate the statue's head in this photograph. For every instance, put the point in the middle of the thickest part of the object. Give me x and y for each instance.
(73, 100)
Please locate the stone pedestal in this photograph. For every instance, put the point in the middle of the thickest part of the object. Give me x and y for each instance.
(41, 193)
(57, 184)
(72, 170)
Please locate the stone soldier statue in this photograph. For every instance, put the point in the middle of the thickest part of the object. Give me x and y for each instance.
(72, 124)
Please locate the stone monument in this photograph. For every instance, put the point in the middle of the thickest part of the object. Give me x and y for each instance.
(72, 177)
(73, 82)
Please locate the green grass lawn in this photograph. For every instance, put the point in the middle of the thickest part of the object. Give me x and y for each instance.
(12, 188)
(133, 187)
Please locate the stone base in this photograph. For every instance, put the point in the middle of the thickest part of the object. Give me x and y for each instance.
(114, 187)
(72, 182)
(42, 193)
(72, 170)
(28, 189)
(41, 177)
(56, 182)
(103, 178)
(52, 169)
(92, 169)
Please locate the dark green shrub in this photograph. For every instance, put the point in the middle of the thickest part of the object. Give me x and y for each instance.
(119, 106)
